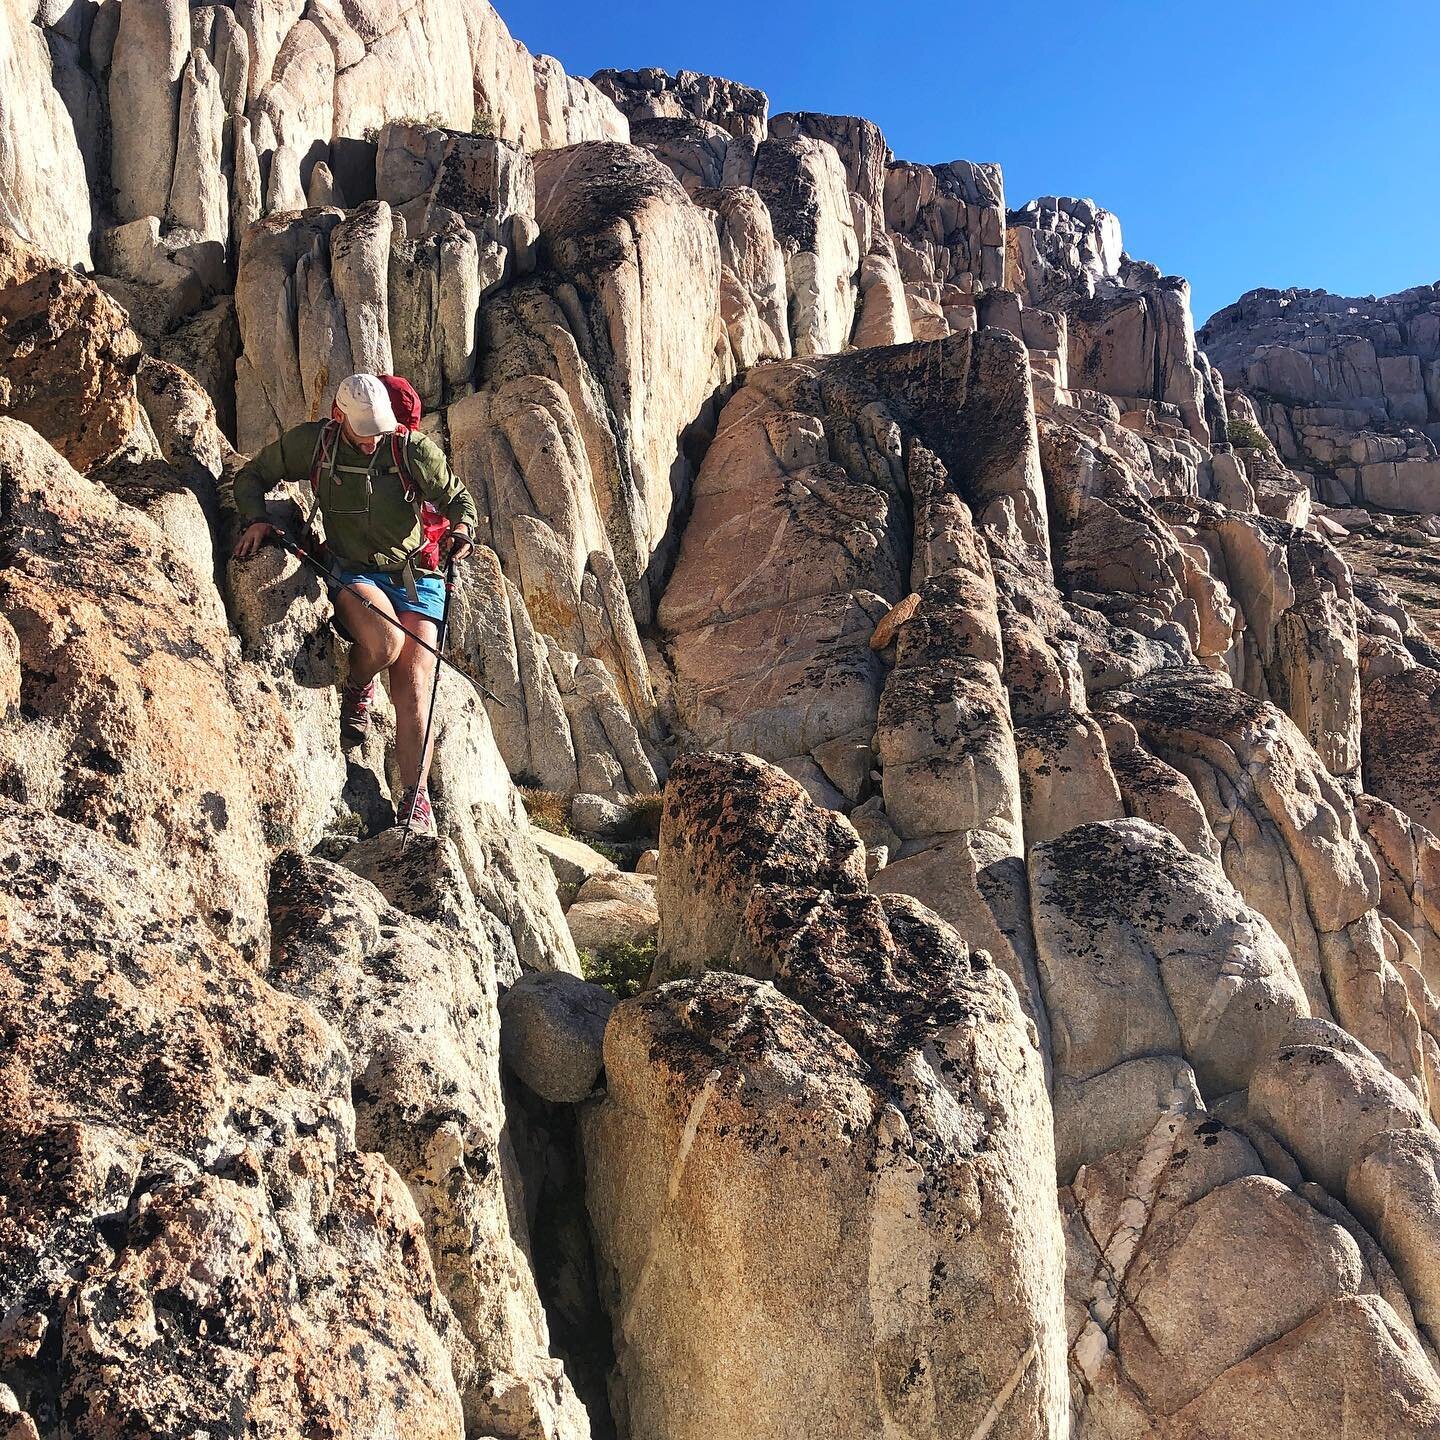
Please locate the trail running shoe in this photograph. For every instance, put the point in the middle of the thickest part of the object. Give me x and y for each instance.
(355, 703)
(423, 821)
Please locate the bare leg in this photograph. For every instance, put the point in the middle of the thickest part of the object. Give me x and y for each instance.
(377, 643)
(411, 676)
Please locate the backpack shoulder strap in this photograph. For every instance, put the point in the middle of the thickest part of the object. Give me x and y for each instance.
(322, 460)
(323, 456)
(400, 454)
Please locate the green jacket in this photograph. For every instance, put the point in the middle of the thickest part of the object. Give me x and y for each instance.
(369, 524)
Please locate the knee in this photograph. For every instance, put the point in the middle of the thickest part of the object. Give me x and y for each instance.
(382, 648)
(394, 648)
(412, 669)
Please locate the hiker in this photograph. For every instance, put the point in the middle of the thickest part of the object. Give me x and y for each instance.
(370, 476)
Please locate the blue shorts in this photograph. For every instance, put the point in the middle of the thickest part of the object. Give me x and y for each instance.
(429, 591)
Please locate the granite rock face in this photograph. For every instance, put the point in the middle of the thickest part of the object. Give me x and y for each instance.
(408, 978)
(191, 1229)
(1000, 997)
(123, 674)
(44, 177)
(70, 361)
(1345, 391)
(271, 1180)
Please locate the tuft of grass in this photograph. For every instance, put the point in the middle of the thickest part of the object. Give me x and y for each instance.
(1245, 436)
(642, 821)
(547, 809)
(550, 810)
(624, 970)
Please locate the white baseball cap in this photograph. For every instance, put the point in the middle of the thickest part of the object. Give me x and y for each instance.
(365, 404)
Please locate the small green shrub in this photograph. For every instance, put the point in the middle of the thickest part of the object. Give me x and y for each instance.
(1245, 436)
(434, 120)
(347, 822)
(484, 124)
(624, 970)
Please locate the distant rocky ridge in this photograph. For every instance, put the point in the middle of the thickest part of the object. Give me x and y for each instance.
(1348, 389)
(1041, 1038)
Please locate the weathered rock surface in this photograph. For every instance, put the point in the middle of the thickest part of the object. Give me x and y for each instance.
(876, 1097)
(190, 1228)
(124, 680)
(1400, 739)
(732, 823)
(1051, 987)
(68, 361)
(739, 109)
(130, 712)
(753, 295)
(818, 463)
(334, 272)
(1145, 951)
(803, 183)
(479, 809)
(409, 981)
(646, 264)
(43, 181)
(947, 223)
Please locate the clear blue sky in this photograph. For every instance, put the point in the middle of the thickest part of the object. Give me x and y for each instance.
(1275, 142)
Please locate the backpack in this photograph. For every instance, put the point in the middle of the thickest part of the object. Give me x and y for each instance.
(405, 401)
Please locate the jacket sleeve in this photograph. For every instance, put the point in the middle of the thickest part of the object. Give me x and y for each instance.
(442, 488)
(261, 474)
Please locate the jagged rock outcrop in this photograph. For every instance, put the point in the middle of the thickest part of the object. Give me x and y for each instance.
(154, 776)
(752, 275)
(1128, 331)
(652, 94)
(44, 187)
(409, 980)
(803, 183)
(829, 500)
(214, 116)
(1341, 390)
(1057, 243)
(645, 265)
(594, 371)
(69, 361)
(873, 1110)
(334, 272)
(947, 223)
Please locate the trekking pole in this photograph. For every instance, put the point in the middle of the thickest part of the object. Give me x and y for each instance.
(286, 543)
(434, 694)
